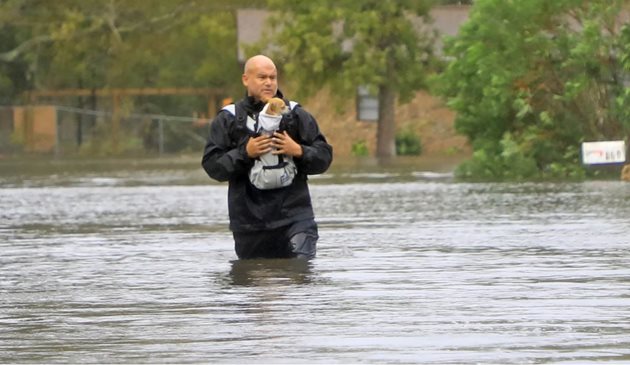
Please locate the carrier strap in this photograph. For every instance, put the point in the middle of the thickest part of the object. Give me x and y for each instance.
(231, 108)
(252, 124)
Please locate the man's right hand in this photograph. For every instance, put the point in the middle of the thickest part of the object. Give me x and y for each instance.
(257, 146)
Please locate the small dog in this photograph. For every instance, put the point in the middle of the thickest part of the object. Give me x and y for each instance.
(276, 106)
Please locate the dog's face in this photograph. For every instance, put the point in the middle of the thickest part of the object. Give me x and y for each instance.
(276, 106)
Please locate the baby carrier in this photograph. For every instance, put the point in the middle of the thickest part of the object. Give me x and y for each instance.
(269, 171)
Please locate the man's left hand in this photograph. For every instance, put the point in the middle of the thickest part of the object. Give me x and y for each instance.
(285, 145)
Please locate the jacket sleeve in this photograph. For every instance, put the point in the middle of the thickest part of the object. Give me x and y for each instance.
(224, 158)
(317, 153)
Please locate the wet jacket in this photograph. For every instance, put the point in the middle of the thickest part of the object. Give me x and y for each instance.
(225, 159)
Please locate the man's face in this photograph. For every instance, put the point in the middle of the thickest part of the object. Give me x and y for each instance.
(261, 81)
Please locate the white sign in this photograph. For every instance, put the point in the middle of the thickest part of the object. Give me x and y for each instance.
(603, 152)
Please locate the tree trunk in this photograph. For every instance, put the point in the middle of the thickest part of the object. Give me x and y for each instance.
(386, 131)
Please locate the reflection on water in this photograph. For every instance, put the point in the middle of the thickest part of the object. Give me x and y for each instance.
(261, 272)
(409, 270)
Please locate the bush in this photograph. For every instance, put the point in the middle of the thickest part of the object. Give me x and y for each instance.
(408, 143)
(360, 149)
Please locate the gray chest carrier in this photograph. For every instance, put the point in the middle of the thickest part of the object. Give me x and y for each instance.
(269, 171)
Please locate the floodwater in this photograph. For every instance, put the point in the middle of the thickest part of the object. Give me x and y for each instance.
(137, 266)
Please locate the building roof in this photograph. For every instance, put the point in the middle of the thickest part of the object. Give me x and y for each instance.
(251, 23)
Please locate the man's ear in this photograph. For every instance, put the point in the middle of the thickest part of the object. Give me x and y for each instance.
(244, 80)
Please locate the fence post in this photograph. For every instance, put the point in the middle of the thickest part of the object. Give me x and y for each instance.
(161, 136)
(58, 132)
(115, 121)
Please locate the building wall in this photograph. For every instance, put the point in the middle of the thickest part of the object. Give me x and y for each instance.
(425, 115)
(251, 24)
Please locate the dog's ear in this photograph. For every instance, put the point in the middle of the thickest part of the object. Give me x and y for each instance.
(276, 106)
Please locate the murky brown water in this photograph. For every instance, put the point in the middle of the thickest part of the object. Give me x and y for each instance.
(138, 266)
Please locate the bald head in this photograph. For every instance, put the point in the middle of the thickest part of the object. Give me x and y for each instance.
(258, 61)
(260, 78)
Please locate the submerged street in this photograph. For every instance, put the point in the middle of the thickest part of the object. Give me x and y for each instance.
(138, 266)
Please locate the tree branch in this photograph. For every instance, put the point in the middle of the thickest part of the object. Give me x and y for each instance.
(108, 19)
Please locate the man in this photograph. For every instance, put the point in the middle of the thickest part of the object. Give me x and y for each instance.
(274, 222)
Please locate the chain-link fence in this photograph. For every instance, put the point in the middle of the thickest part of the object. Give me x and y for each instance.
(82, 131)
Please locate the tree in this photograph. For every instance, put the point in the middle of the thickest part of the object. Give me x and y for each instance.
(456, 2)
(384, 45)
(530, 80)
(112, 43)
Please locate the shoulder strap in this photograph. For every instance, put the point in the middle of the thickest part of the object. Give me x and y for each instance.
(240, 115)
(231, 108)
(252, 124)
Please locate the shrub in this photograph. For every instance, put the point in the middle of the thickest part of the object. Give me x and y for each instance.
(408, 143)
(360, 149)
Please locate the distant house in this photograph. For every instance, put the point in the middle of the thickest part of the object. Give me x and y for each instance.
(251, 24)
(426, 115)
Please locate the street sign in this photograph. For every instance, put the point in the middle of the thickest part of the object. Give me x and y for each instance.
(603, 152)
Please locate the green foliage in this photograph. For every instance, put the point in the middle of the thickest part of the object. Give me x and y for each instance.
(360, 149)
(408, 143)
(13, 76)
(352, 42)
(383, 45)
(113, 44)
(531, 80)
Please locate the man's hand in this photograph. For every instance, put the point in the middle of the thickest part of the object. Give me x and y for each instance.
(283, 144)
(258, 146)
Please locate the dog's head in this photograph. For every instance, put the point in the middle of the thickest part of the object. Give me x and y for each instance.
(276, 106)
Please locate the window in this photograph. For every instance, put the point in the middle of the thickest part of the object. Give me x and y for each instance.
(367, 105)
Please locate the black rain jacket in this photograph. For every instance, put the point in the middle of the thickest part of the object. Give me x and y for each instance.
(225, 159)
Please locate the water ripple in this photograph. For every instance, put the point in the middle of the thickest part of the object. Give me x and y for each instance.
(407, 272)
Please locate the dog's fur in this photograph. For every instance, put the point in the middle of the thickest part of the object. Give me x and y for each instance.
(276, 106)
(625, 173)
